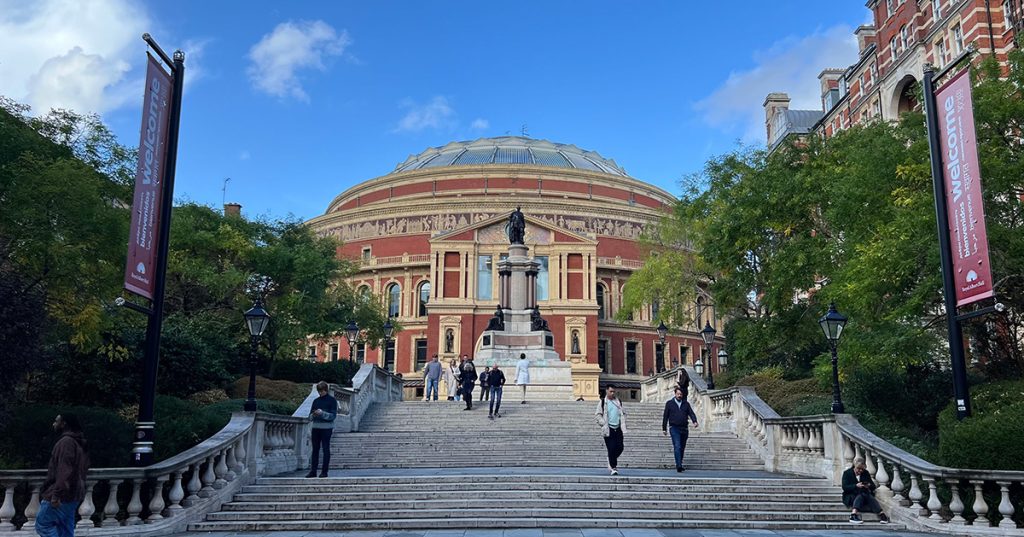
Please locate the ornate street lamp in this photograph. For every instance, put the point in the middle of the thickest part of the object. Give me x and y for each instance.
(832, 324)
(723, 358)
(389, 330)
(257, 320)
(662, 333)
(351, 333)
(708, 335)
(698, 366)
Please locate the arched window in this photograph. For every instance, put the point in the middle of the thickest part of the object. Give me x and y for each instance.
(363, 292)
(424, 296)
(394, 299)
(600, 302)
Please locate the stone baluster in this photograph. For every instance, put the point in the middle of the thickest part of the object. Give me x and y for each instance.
(897, 486)
(869, 463)
(231, 463)
(787, 439)
(220, 470)
(240, 454)
(111, 508)
(916, 496)
(156, 503)
(762, 431)
(980, 506)
(801, 439)
(7, 508)
(882, 479)
(87, 507)
(1005, 506)
(848, 453)
(175, 494)
(32, 509)
(817, 442)
(193, 485)
(208, 478)
(135, 504)
(858, 452)
(956, 505)
(934, 505)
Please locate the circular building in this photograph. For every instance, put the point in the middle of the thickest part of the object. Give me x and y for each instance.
(428, 236)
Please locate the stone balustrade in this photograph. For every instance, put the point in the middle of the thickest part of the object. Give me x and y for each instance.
(164, 497)
(914, 491)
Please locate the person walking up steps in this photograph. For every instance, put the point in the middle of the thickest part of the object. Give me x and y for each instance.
(612, 420)
(431, 376)
(484, 379)
(677, 412)
(468, 378)
(496, 381)
(523, 374)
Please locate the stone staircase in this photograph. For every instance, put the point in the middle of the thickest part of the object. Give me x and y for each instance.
(422, 465)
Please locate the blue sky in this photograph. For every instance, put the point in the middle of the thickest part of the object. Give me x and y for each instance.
(296, 102)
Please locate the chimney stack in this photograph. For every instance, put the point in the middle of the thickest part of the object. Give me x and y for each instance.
(772, 104)
(233, 210)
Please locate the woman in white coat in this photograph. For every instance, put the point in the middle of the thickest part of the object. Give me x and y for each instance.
(523, 374)
(451, 379)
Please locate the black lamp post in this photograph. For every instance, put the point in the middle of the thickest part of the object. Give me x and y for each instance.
(708, 335)
(257, 320)
(389, 330)
(662, 333)
(351, 333)
(832, 323)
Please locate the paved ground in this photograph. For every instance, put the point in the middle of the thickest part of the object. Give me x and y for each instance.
(540, 470)
(573, 533)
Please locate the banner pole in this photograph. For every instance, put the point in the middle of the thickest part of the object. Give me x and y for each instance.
(142, 446)
(956, 337)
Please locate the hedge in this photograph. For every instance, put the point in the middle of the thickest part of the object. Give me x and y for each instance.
(991, 438)
(302, 371)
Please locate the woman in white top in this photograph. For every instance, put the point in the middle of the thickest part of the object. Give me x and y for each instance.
(450, 375)
(523, 374)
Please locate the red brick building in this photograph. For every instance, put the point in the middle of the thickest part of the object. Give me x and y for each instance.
(428, 237)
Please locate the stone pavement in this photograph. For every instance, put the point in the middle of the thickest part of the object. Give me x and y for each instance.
(567, 532)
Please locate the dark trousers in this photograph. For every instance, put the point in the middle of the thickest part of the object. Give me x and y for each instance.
(485, 393)
(679, 437)
(495, 399)
(467, 393)
(865, 502)
(321, 440)
(614, 444)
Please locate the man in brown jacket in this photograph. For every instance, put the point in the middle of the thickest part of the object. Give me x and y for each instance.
(64, 488)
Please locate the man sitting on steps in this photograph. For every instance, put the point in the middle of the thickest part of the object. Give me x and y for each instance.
(859, 493)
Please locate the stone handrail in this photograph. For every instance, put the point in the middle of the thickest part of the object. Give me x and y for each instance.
(914, 491)
(371, 384)
(165, 497)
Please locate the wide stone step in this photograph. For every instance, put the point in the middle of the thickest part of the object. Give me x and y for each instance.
(565, 502)
(531, 522)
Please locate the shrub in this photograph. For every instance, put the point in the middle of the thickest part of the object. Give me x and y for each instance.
(274, 390)
(208, 397)
(181, 425)
(223, 409)
(339, 373)
(914, 394)
(27, 440)
(990, 438)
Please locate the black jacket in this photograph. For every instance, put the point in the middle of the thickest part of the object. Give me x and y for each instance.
(468, 372)
(496, 378)
(850, 488)
(484, 378)
(676, 415)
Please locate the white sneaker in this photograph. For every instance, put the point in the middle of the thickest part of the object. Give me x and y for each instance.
(615, 472)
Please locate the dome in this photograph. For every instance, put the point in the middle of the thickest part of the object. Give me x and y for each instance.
(516, 150)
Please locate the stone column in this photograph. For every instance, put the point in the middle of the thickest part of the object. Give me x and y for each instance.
(531, 288)
(504, 276)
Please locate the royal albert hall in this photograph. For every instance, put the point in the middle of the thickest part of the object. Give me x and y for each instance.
(427, 238)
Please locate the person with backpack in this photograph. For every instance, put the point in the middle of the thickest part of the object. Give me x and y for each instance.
(64, 488)
(496, 381)
(612, 420)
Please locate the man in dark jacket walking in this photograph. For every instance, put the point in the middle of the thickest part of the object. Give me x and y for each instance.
(64, 488)
(495, 381)
(677, 411)
(468, 379)
(323, 412)
(859, 493)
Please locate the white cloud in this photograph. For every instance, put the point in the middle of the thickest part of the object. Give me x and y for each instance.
(71, 54)
(195, 68)
(435, 114)
(791, 65)
(290, 48)
(480, 124)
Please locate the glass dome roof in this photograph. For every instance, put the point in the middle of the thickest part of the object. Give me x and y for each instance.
(511, 150)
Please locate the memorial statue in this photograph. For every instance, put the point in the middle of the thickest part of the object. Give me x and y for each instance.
(516, 227)
(537, 323)
(498, 321)
(449, 341)
(575, 342)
